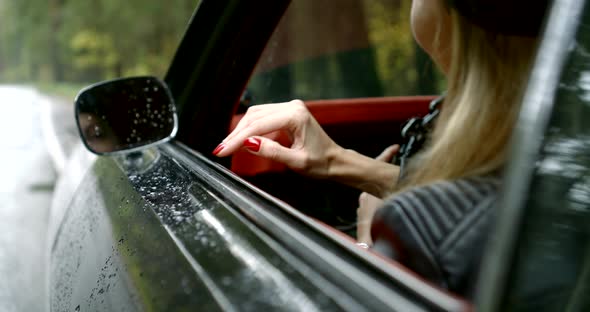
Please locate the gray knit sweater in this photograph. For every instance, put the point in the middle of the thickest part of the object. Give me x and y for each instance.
(442, 228)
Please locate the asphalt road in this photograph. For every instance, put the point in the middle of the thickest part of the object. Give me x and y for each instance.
(27, 179)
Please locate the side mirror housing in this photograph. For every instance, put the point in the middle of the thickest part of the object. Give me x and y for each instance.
(125, 115)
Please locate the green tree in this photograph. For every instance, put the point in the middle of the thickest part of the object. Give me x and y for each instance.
(70, 40)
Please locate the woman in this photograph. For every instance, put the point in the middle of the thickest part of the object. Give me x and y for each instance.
(440, 210)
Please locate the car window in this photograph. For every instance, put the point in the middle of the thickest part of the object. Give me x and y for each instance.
(325, 49)
(551, 270)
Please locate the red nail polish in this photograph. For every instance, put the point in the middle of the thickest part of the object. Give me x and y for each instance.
(218, 149)
(252, 144)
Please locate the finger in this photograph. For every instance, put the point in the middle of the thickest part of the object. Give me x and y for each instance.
(254, 113)
(270, 149)
(363, 218)
(278, 121)
(363, 198)
(363, 232)
(260, 113)
(388, 153)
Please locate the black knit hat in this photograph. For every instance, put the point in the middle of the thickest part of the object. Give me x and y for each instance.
(508, 17)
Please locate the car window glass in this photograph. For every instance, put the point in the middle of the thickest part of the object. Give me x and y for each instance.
(324, 49)
(551, 271)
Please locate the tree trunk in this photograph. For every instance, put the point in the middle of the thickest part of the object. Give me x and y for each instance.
(55, 22)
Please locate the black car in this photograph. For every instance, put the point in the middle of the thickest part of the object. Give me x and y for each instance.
(167, 227)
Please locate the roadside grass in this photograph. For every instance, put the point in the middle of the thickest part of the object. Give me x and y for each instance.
(64, 90)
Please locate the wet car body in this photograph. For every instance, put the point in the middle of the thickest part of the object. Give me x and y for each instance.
(169, 229)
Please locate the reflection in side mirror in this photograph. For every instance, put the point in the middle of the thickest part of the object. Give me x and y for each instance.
(125, 114)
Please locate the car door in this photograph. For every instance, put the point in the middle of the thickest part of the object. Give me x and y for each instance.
(167, 229)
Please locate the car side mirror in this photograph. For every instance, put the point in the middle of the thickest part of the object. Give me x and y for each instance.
(124, 115)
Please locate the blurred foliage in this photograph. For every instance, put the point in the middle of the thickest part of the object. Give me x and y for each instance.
(85, 41)
(390, 34)
(94, 50)
(402, 66)
(363, 48)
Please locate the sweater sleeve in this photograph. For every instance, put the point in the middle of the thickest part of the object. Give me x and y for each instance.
(442, 228)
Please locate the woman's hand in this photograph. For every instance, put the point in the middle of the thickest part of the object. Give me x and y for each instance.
(368, 204)
(311, 150)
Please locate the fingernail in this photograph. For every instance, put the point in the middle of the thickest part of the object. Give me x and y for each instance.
(218, 149)
(252, 144)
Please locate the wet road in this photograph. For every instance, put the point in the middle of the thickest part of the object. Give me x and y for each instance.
(27, 178)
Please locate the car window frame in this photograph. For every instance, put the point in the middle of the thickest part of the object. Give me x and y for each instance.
(538, 106)
(213, 63)
(337, 258)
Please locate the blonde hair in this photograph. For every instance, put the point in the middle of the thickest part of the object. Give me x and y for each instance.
(486, 79)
